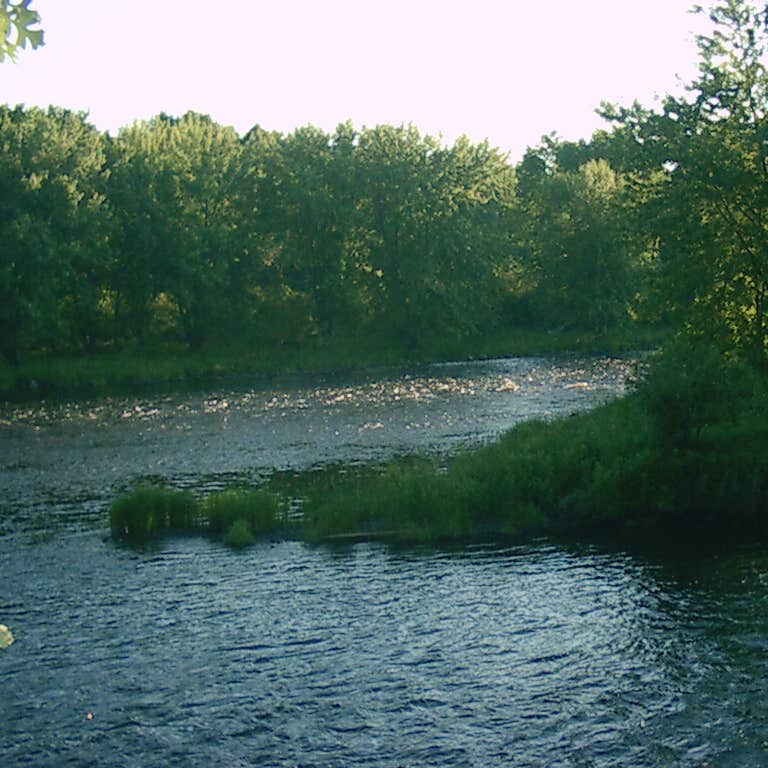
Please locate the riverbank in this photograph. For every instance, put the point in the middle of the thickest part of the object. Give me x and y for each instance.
(684, 455)
(41, 375)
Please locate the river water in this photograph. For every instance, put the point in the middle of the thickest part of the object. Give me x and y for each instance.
(188, 654)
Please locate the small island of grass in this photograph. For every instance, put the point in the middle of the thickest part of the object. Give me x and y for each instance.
(238, 515)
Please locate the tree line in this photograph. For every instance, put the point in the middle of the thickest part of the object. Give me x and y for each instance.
(180, 230)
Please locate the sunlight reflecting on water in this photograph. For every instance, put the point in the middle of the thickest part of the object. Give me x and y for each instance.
(53, 456)
(187, 654)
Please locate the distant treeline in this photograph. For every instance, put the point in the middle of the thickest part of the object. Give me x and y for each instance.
(179, 229)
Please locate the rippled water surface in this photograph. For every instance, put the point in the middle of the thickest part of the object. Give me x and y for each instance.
(187, 654)
(285, 655)
(72, 458)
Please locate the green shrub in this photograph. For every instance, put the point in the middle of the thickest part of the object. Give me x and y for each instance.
(691, 385)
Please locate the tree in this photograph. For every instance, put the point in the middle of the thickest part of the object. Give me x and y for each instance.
(17, 22)
(174, 185)
(436, 220)
(707, 154)
(311, 176)
(471, 244)
(53, 225)
(578, 242)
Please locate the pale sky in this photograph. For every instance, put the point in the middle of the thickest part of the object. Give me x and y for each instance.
(509, 71)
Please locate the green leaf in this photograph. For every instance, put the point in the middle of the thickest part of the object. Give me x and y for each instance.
(16, 22)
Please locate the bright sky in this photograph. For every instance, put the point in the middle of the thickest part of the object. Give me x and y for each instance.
(506, 70)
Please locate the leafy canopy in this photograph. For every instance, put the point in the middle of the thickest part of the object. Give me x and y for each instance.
(705, 158)
(17, 27)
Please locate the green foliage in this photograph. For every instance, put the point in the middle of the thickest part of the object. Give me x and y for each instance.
(690, 386)
(579, 244)
(147, 512)
(237, 515)
(409, 500)
(255, 510)
(53, 228)
(437, 222)
(704, 164)
(17, 27)
(175, 186)
(687, 450)
(181, 232)
(239, 534)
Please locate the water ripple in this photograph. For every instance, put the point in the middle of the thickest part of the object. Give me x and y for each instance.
(286, 655)
(368, 656)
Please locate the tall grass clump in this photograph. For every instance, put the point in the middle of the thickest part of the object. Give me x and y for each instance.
(148, 511)
(240, 515)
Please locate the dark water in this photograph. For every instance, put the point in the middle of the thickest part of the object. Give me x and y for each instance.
(191, 655)
(188, 654)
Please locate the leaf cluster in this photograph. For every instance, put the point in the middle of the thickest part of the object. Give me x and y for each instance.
(18, 27)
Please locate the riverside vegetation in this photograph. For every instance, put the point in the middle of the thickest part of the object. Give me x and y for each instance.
(684, 453)
(235, 515)
(142, 257)
(179, 248)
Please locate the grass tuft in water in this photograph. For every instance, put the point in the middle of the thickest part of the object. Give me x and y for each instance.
(254, 510)
(411, 499)
(239, 516)
(239, 534)
(149, 511)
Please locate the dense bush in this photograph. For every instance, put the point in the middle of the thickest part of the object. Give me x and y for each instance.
(691, 385)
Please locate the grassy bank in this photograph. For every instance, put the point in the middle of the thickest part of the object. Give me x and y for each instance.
(129, 370)
(683, 456)
(686, 453)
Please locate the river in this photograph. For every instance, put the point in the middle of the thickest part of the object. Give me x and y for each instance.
(188, 654)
